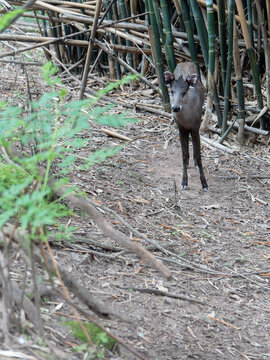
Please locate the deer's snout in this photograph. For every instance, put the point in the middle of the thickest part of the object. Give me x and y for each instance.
(176, 108)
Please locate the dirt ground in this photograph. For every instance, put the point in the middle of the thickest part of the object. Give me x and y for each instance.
(226, 230)
(220, 240)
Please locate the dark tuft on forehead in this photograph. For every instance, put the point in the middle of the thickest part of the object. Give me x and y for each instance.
(180, 83)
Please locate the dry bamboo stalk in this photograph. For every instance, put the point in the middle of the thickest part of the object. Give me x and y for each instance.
(252, 129)
(217, 145)
(140, 35)
(39, 39)
(42, 41)
(89, 21)
(128, 67)
(72, 3)
(244, 25)
(84, 6)
(55, 8)
(90, 49)
(126, 36)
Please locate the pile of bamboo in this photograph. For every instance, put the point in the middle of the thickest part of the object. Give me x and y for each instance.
(227, 40)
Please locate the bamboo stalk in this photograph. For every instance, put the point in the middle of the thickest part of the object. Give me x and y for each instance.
(251, 56)
(90, 49)
(67, 18)
(212, 91)
(198, 17)
(161, 33)
(211, 37)
(169, 38)
(43, 41)
(250, 22)
(239, 87)
(123, 10)
(227, 87)
(127, 66)
(117, 66)
(189, 31)
(266, 50)
(158, 56)
(223, 44)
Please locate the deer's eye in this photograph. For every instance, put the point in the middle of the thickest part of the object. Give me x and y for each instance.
(184, 94)
(172, 92)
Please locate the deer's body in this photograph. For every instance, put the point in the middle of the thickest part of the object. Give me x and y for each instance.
(187, 98)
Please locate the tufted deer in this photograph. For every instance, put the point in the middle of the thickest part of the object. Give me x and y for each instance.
(187, 98)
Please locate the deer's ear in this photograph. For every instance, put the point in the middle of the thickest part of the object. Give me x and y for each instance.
(168, 77)
(192, 80)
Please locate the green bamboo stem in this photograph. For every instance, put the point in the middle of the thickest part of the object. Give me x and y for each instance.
(161, 33)
(169, 37)
(211, 36)
(255, 22)
(158, 55)
(44, 27)
(128, 43)
(67, 32)
(222, 40)
(54, 34)
(200, 25)
(250, 24)
(252, 59)
(212, 90)
(43, 30)
(117, 17)
(189, 31)
(227, 88)
(158, 21)
(109, 17)
(266, 45)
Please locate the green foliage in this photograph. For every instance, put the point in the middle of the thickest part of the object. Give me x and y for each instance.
(10, 174)
(5, 21)
(98, 336)
(47, 137)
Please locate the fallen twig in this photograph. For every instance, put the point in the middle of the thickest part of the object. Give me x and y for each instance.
(181, 261)
(86, 205)
(242, 177)
(223, 322)
(165, 293)
(115, 134)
